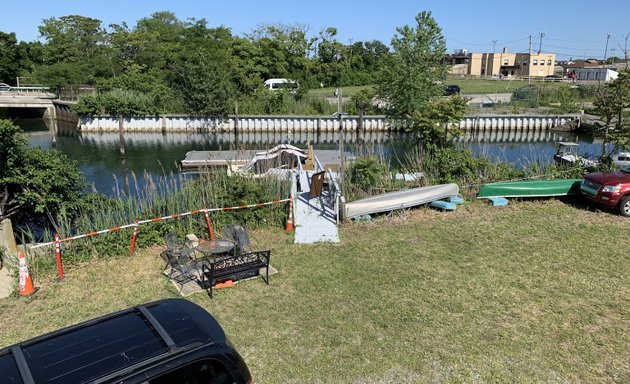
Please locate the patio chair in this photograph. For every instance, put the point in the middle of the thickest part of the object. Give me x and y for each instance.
(238, 235)
(180, 259)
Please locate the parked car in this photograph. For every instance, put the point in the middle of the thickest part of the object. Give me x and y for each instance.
(4, 87)
(610, 189)
(452, 90)
(167, 341)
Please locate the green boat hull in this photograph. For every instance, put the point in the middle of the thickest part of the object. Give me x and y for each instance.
(531, 188)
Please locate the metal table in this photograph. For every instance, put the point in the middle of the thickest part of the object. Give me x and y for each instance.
(215, 247)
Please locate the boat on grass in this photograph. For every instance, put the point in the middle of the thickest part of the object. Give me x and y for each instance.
(530, 188)
(405, 198)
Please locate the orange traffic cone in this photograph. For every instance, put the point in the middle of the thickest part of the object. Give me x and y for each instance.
(26, 284)
(289, 226)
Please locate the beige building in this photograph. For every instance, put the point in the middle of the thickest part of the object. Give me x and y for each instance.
(507, 64)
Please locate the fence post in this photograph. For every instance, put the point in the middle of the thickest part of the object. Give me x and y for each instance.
(58, 254)
(210, 232)
(133, 238)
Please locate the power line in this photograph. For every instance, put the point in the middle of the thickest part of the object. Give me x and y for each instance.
(576, 48)
(485, 45)
(577, 41)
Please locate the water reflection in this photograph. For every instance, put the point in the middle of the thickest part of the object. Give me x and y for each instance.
(158, 154)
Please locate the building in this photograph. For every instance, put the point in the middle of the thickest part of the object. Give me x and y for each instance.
(507, 64)
(595, 74)
(459, 62)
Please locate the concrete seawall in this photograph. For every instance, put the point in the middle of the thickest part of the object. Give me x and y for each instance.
(175, 123)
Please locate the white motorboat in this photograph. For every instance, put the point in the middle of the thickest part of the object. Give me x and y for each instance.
(621, 159)
(567, 153)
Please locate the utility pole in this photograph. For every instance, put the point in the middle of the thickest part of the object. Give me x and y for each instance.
(606, 50)
(542, 34)
(494, 52)
(529, 63)
(342, 163)
(625, 50)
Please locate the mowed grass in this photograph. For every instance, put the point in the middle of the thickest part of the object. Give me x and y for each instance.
(468, 86)
(483, 86)
(345, 91)
(531, 292)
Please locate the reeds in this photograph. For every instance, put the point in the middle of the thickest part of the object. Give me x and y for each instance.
(158, 197)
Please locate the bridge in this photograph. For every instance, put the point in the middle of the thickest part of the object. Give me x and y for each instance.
(35, 102)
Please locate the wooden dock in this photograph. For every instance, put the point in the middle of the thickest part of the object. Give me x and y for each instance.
(315, 219)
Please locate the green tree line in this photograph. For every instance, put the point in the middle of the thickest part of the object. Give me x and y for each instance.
(165, 64)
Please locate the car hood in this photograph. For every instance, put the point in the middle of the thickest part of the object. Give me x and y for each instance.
(609, 177)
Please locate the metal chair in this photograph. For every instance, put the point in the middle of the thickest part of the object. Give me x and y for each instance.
(180, 259)
(238, 235)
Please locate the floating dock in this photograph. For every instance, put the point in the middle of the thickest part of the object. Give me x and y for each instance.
(197, 160)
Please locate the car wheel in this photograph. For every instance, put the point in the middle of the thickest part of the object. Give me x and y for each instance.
(624, 206)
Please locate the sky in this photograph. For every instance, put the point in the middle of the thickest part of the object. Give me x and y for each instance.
(572, 29)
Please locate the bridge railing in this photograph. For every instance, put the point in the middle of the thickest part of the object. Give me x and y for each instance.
(72, 92)
(30, 90)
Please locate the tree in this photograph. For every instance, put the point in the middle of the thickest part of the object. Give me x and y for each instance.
(363, 102)
(34, 181)
(205, 85)
(72, 38)
(433, 121)
(610, 104)
(416, 68)
(331, 55)
(77, 50)
(9, 64)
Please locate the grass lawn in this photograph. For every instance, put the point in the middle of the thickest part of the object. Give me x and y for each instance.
(330, 91)
(498, 86)
(531, 292)
(468, 86)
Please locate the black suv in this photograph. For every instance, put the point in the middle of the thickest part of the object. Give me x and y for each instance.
(452, 90)
(167, 341)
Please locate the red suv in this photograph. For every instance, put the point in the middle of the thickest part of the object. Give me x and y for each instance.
(611, 189)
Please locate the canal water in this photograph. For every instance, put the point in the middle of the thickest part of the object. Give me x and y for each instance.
(156, 154)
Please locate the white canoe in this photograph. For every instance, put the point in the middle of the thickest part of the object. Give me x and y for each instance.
(405, 198)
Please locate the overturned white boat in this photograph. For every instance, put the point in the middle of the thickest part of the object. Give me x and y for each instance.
(406, 198)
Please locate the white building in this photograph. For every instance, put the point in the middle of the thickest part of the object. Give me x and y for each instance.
(596, 74)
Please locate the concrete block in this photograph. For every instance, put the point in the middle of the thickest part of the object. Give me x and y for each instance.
(191, 240)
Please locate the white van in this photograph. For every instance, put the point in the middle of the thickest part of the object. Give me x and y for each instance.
(275, 84)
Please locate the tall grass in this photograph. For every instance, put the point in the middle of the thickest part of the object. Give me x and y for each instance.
(284, 103)
(164, 196)
(372, 175)
(469, 171)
